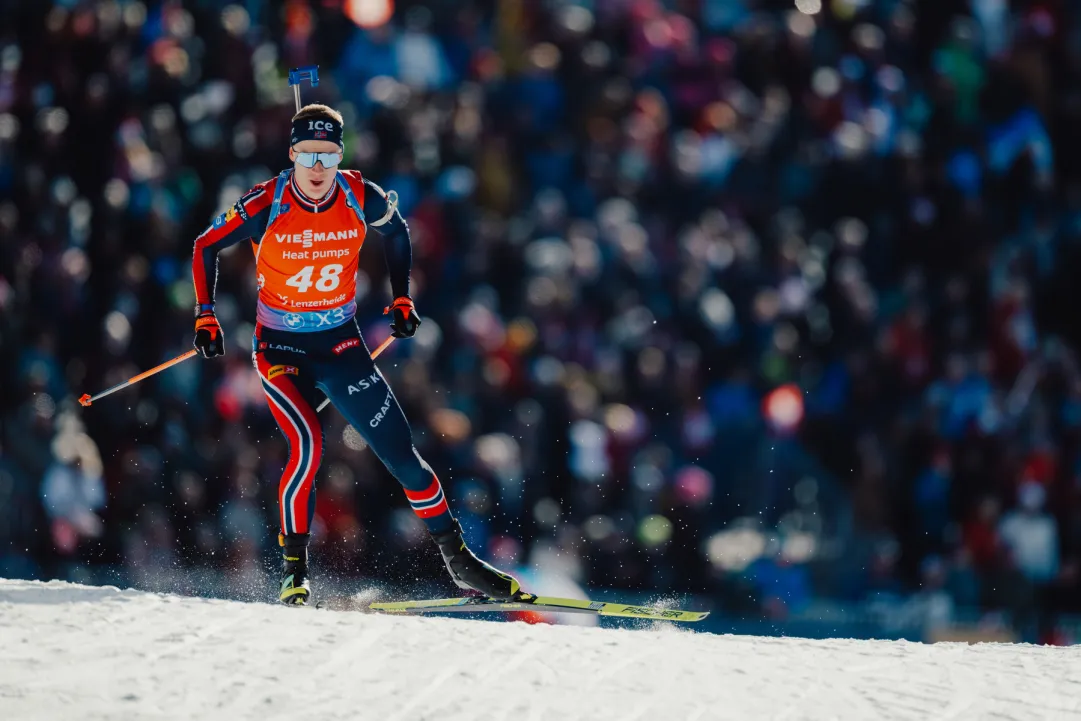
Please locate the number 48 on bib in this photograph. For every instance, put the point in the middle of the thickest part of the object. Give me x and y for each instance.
(329, 278)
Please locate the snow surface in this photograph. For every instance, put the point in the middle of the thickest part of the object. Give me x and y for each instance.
(78, 652)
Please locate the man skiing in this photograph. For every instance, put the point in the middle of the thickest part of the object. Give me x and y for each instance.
(306, 229)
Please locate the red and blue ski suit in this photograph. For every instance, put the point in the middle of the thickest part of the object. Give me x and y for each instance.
(306, 337)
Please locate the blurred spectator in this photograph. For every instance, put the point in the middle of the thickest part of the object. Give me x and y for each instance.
(933, 496)
(982, 534)
(72, 490)
(1031, 536)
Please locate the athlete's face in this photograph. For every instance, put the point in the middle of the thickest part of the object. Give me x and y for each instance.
(316, 181)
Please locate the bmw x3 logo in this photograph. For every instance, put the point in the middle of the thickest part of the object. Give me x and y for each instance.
(294, 320)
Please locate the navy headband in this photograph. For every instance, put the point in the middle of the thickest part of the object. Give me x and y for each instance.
(318, 128)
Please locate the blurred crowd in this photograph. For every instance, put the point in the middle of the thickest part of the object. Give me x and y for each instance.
(763, 300)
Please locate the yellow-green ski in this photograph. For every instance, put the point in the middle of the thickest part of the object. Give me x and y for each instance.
(529, 602)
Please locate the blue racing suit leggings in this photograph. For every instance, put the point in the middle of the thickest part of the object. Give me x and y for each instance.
(292, 367)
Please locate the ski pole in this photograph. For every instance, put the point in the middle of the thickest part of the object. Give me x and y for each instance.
(87, 399)
(299, 75)
(375, 354)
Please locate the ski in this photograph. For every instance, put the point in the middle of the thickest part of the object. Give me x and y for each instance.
(529, 602)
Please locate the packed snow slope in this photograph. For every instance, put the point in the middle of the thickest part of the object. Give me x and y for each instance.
(77, 652)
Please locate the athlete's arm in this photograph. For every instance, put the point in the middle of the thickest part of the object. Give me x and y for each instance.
(396, 245)
(246, 219)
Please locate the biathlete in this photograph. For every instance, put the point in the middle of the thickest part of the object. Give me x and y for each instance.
(306, 228)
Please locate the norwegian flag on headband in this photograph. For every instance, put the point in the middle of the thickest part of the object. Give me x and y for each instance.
(313, 128)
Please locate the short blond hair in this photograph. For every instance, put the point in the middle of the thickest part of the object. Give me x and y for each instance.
(318, 110)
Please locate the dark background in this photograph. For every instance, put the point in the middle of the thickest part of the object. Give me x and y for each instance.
(766, 306)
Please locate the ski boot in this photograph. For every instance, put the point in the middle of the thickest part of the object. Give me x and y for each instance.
(471, 573)
(295, 588)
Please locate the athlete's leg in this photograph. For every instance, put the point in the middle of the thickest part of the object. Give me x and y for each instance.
(289, 386)
(359, 391)
(361, 394)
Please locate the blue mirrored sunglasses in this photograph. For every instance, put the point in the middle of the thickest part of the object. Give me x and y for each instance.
(329, 160)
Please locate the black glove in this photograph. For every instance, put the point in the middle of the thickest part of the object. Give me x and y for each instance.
(208, 335)
(405, 319)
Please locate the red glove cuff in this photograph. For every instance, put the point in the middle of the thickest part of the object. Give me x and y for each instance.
(404, 303)
(207, 321)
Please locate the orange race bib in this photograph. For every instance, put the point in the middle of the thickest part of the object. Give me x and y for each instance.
(307, 265)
